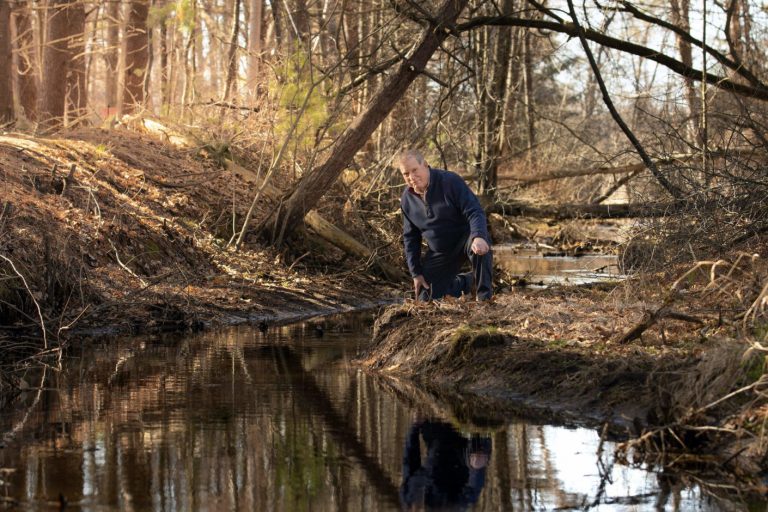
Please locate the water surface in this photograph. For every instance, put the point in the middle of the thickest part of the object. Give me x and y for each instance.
(538, 268)
(281, 420)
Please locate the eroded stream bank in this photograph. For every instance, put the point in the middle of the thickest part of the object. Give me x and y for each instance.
(687, 396)
(284, 419)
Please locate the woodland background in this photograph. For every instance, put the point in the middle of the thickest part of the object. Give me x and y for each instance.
(509, 98)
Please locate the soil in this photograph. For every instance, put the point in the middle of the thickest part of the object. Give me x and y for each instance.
(115, 231)
(558, 351)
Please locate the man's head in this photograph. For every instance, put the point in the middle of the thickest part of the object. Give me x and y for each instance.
(414, 169)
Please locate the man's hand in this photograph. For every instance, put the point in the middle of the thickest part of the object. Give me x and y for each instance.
(480, 246)
(418, 283)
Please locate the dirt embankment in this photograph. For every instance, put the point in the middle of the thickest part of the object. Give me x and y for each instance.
(558, 349)
(113, 228)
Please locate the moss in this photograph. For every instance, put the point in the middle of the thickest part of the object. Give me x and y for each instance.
(754, 368)
(153, 250)
(557, 343)
(467, 338)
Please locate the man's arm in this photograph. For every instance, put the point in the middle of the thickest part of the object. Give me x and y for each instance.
(412, 243)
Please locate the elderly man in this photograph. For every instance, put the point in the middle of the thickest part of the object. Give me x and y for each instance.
(438, 207)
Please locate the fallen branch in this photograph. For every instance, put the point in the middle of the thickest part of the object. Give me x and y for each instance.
(32, 296)
(586, 211)
(651, 318)
(122, 265)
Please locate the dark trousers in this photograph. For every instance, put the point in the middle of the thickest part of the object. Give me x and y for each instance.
(442, 272)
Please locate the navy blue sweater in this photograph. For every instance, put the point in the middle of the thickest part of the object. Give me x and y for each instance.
(450, 212)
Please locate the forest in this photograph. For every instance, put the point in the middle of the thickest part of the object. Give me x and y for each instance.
(171, 167)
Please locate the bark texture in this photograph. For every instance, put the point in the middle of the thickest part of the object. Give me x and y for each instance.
(6, 63)
(28, 64)
(136, 55)
(55, 65)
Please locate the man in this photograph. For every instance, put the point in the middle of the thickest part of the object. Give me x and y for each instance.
(438, 207)
(452, 473)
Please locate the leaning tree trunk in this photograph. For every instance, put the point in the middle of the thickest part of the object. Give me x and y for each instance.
(136, 55)
(314, 184)
(55, 65)
(6, 63)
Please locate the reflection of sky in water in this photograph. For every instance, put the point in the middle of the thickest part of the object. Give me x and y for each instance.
(240, 420)
(535, 267)
(578, 474)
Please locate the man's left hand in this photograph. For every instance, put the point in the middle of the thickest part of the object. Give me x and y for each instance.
(480, 246)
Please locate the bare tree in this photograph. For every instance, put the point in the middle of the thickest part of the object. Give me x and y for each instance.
(314, 184)
(680, 17)
(232, 53)
(28, 66)
(56, 57)
(111, 54)
(6, 62)
(77, 86)
(255, 47)
(493, 90)
(136, 55)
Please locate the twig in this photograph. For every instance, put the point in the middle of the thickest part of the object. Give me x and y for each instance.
(117, 256)
(669, 187)
(39, 311)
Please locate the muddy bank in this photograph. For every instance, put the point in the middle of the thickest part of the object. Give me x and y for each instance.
(557, 349)
(115, 232)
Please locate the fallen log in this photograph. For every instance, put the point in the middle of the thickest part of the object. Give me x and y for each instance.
(324, 229)
(585, 211)
(678, 158)
(348, 244)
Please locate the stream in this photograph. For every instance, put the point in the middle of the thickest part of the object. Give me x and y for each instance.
(280, 419)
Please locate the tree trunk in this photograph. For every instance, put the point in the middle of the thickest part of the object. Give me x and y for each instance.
(112, 57)
(28, 68)
(314, 184)
(147, 82)
(528, 42)
(680, 17)
(301, 18)
(348, 244)
(136, 55)
(232, 53)
(254, 41)
(496, 72)
(55, 62)
(77, 83)
(277, 27)
(164, 70)
(6, 63)
(586, 211)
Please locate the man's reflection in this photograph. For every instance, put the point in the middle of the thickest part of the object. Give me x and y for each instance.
(453, 472)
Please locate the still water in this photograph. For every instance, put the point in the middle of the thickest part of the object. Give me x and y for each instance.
(539, 269)
(282, 420)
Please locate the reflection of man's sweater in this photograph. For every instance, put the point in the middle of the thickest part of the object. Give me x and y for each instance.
(445, 478)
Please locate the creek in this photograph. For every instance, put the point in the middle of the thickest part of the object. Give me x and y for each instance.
(281, 419)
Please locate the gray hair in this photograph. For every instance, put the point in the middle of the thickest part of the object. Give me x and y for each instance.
(411, 153)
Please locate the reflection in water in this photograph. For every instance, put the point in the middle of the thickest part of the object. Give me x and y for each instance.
(280, 420)
(531, 264)
(452, 473)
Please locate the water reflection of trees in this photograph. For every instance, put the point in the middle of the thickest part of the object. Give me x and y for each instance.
(244, 420)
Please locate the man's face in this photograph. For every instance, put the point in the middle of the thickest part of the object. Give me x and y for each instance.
(416, 175)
